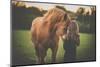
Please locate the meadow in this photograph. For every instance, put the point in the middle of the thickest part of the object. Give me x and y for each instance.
(24, 52)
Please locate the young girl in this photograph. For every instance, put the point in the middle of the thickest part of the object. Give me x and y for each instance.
(71, 41)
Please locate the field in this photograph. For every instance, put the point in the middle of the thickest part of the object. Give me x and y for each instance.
(24, 53)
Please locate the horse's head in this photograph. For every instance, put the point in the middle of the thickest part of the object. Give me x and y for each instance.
(61, 27)
(62, 24)
(59, 20)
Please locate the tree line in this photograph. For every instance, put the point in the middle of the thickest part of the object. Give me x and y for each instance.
(22, 17)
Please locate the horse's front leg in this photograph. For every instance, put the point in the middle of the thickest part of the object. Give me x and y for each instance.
(42, 56)
(40, 60)
(41, 53)
(54, 53)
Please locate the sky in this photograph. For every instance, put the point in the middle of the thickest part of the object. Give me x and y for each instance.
(47, 6)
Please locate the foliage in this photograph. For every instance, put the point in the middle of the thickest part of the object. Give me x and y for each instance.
(87, 20)
(23, 16)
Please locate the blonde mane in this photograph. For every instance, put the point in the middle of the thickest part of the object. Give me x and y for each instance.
(55, 15)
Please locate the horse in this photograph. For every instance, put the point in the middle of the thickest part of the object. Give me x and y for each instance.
(46, 31)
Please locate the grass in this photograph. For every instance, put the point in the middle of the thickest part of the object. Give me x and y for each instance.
(24, 52)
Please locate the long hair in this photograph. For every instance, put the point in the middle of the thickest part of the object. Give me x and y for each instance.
(55, 15)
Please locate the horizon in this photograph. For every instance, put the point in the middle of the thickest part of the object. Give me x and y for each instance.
(46, 6)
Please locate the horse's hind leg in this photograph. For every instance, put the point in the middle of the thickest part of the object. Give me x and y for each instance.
(54, 53)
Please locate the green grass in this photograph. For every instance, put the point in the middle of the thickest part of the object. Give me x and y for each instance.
(23, 46)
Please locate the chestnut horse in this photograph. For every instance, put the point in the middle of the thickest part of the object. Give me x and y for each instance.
(46, 30)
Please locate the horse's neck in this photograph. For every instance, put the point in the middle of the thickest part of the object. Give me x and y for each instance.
(50, 27)
(52, 30)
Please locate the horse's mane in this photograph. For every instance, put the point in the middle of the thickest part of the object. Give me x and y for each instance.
(55, 15)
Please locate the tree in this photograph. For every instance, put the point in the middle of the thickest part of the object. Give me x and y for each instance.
(93, 10)
(80, 10)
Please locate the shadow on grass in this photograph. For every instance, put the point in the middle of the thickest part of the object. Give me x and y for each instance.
(18, 58)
